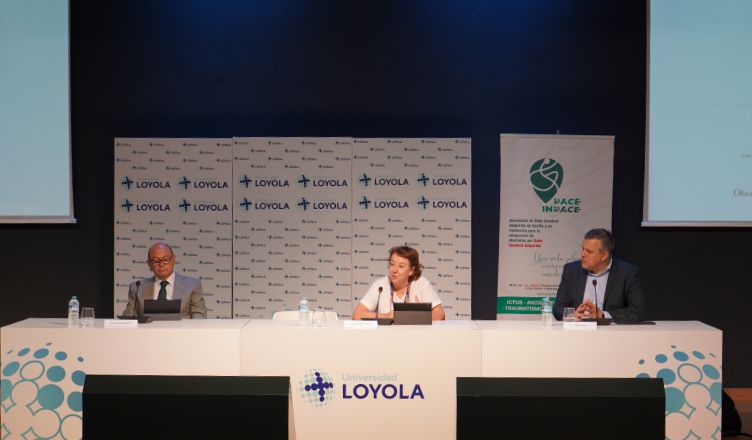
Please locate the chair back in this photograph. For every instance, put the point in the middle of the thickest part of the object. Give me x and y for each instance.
(292, 315)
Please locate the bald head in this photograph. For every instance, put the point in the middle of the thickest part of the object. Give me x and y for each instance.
(156, 246)
(161, 260)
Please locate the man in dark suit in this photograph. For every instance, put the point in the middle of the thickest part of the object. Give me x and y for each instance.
(166, 284)
(599, 285)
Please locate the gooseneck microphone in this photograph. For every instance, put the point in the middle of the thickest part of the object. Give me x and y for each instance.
(136, 304)
(378, 302)
(142, 319)
(595, 294)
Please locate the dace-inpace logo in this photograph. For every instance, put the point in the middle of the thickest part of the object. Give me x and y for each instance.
(546, 176)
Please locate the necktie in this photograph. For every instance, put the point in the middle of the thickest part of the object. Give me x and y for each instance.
(163, 289)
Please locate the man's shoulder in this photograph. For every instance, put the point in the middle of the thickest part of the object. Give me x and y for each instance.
(622, 265)
(186, 279)
(140, 282)
(573, 266)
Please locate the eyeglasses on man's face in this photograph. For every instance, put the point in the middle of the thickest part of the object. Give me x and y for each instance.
(160, 261)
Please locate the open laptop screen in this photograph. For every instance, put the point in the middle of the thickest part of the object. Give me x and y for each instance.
(155, 306)
(413, 307)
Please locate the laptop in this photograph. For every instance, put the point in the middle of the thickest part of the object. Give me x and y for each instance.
(412, 314)
(162, 309)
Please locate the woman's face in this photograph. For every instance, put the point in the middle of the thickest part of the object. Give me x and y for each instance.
(399, 270)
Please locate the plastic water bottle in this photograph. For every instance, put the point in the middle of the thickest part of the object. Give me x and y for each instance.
(73, 308)
(546, 316)
(304, 316)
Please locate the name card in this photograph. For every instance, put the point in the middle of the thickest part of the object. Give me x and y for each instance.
(580, 326)
(120, 323)
(360, 325)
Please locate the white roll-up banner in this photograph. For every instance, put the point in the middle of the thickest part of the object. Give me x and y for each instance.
(554, 188)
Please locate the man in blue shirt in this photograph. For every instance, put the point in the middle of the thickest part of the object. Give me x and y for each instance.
(600, 286)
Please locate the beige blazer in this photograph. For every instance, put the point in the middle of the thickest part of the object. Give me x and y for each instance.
(187, 289)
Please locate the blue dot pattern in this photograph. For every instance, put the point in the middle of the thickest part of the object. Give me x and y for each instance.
(78, 377)
(41, 353)
(316, 388)
(50, 396)
(11, 368)
(693, 387)
(56, 383)
(711, 372)
(667, 375)
(680, 356)
(5, 389)
(56, 373)
(74, 401)
(674, 400)
(716, 391)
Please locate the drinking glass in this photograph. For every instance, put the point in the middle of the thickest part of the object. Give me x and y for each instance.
(318, 317)
(569, 314)
(87, 316)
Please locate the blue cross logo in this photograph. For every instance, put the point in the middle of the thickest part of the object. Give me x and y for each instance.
(127, 182)
(319, 386)
(423, 179)
(245, 181)
(185, 182)
(127, 205)
(423, 202)
(304, 181)
(185, 205)
(304, 203)
(365, 180)
(246, 204)
(364, 202)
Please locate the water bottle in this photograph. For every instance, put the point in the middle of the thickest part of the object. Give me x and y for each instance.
(304, 318)
(546, 316)
(73, 307)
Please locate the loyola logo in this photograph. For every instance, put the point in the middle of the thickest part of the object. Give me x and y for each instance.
(546, 176)
(316, 387)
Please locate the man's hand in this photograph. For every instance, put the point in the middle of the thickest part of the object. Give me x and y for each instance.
(587, 310)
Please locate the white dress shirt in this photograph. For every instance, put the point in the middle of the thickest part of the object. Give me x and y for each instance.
(170, 283)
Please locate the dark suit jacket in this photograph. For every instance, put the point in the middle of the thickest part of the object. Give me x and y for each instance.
(188, 289)
(624, 299)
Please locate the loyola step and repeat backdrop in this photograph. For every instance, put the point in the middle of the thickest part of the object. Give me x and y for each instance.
(265, 221)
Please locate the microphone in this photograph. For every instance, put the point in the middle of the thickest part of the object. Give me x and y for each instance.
(595, 294)
(136, 308)
(138, 312)
(378, 301)
(140, 317)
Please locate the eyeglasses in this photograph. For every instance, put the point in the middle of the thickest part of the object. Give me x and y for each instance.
(160, 262)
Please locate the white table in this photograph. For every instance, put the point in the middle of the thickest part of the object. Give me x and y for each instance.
(693, 384)
(414, 368)
(393, 360)
(44, 363)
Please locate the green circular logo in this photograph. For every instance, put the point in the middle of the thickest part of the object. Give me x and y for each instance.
(546, 176)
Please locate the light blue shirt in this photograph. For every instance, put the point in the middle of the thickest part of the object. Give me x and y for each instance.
(600, 288)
